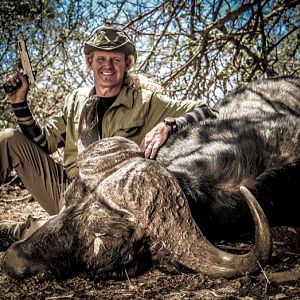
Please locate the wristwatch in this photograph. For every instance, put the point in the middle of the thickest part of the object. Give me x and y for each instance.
(171, 122)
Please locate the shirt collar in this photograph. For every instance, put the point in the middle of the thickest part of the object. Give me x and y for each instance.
(125, 96)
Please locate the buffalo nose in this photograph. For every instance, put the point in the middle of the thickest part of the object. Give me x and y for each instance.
(14, 265)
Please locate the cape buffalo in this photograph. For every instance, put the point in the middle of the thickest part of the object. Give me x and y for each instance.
(125, 213)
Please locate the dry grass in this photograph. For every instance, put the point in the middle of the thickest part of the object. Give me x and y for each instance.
(278, 280)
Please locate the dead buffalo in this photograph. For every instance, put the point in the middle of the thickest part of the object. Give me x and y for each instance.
(125, 213)
(255, 142)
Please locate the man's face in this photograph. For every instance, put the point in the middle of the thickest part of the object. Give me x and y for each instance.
(108, 68)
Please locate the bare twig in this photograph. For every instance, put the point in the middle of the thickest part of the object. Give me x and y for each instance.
(144, 65)
(264, 273)
(71, 296)
(292, 274)
(8, 200)
(11, 181)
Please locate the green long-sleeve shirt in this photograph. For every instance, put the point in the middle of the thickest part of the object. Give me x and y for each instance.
(134, 113)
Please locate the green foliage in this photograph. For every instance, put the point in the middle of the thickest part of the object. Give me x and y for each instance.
(195, 49)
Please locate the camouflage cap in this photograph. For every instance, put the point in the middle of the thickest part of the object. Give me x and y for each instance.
(109, 38)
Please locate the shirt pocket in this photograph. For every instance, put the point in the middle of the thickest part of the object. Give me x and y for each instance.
(129, 129)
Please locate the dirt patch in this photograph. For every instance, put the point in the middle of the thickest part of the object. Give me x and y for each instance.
(278, 280)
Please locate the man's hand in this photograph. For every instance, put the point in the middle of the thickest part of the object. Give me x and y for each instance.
(154, 139)
(20, 94)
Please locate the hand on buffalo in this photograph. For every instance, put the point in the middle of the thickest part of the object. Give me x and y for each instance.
(154, 139)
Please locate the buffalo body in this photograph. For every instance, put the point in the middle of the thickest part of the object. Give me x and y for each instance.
(255, 142)
(125, 213)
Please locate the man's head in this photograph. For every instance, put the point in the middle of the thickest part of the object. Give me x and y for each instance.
(110, 54)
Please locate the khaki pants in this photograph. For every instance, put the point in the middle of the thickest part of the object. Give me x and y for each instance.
(41, 175)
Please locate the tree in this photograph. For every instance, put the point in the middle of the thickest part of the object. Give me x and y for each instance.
(194, 48)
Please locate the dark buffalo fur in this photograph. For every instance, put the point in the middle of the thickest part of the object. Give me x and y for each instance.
(255, 142)
(125, 212)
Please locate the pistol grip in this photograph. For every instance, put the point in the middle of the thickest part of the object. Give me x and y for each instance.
(9, 89)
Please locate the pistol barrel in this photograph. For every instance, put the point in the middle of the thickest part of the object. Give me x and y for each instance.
(26, 61)
(26, 67)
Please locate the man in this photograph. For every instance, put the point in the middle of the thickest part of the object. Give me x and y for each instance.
(114, 106)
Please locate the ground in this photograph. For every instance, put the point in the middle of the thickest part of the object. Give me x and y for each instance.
(278, 280)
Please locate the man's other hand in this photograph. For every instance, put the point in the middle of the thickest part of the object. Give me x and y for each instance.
(154, 139)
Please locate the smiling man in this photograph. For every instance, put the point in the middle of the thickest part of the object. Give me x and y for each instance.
(108, 69)
(113, 106)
